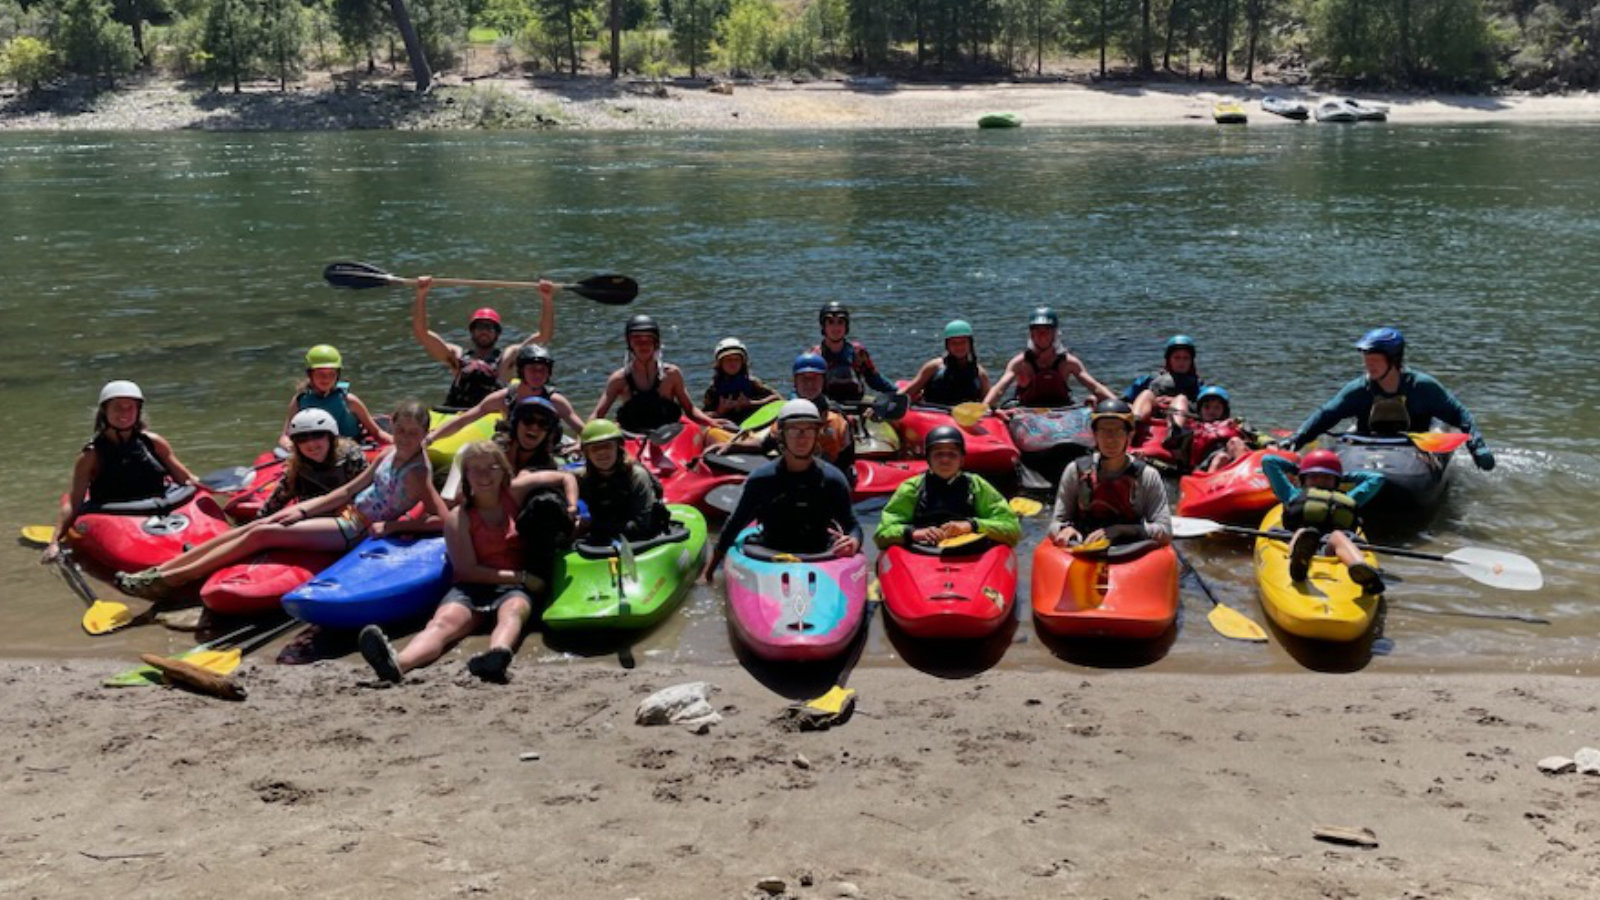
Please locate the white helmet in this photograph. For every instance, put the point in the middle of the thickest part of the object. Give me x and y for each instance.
(798, 411)
(730, 345)
(312, 421)
(118, 389)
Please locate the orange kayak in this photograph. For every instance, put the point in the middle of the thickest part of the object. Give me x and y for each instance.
(1091, 596)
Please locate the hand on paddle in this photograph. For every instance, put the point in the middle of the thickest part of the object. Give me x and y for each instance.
(52, 552)
(844, 544)
(935, 534)
(1068, 536)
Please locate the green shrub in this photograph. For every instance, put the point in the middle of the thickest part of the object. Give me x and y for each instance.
(28, 61)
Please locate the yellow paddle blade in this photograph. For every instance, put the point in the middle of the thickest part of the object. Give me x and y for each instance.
(38, 534)
(715, 435)
(968, 414)
(833, 702)
(785, 557)
(1230, 623)
(960, 540)
(1026, 506)
(1099, 546)
(1438, 441)
(222, 662)
(105, 616)
(874, 591)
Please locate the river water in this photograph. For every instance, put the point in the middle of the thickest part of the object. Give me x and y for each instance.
(190, 263)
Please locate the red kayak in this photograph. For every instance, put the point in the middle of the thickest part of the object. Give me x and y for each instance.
(679, 451)
(950, 594)
(880, 477)
(1097, 596)
(989, 447)
(1238, 492)
(691, 483)
(1147, 440)
(258, 586)
(245, 506)
(131, 537)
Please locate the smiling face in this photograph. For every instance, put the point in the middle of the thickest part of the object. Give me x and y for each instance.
(1212, 409)
(122, 413)
(834, 328)
(730, 364)
(603, 455)
(959, 347)
(535, 374)
(1042, 337)
(485, 475)
(314, 446)
(408, 434)
(944, 461)
(808, 385)
(323, 380)
(484, 334)
(531, 433)
(1111, 438)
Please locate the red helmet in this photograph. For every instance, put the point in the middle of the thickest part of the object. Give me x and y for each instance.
(1323, 461)
(486, 314)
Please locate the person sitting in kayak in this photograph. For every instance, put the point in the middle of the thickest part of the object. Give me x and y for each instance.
(372, 503)
(623, 497)
(322, 461)
(1391, 399)
(734, 393)
(835, 441)
(1214, 438)
(651, 391)
(125, 461)
(802, 502)
(534, 436)
(485, 547)
(535, 365)
(1322, 513)
(954, 378)
(1040, 372)
(1171, 390)
(478, 370)
(850, 367)
(1109, 494)
(946, 502)
(324, 390)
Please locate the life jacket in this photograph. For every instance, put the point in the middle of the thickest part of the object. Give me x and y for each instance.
(335, 404)
(727, 386)
(940, 501)
(476, 378)
(842, 381)
(1326, 511)
(804, 521)
(612, 498)
(956, 382)
(125, 470)
(1047, 386)
(1208, 437)
(646, 409)
(1167, 384)
(1388, 415)
(1102, 502)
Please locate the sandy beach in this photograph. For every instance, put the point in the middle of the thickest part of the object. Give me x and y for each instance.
(1065, 782)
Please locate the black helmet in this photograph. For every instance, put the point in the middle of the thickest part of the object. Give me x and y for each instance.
(944, 434)
(1112, 409)
(534, 353)
(834, 308)
(1044, 315)
(641, 324)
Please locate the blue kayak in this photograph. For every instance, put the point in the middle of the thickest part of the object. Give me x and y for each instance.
(383, 580)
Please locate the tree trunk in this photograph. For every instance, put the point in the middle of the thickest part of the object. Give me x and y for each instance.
(1102, 30)
(1253, 11)
(572, 40)
(1227, 40)
(419, 60)
(1172, 29)
(1146, 63)
(616, 40)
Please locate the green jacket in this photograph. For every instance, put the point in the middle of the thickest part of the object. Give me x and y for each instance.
(991, 514)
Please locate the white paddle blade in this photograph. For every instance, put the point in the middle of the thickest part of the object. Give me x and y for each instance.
(1497, 568)
(1187, 527)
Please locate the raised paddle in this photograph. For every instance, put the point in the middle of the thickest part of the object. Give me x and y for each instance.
(613, 290)
(1224, 619)
(1496, 568)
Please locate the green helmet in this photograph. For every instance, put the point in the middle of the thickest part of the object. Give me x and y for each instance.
(958, 328)
(600, 430)
(324, 356)
(1044, 315)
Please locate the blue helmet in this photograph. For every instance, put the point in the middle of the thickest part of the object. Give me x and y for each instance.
(1180, 342)
(1220, 393)
(538, 409)
(1388, 341)
(810, 362)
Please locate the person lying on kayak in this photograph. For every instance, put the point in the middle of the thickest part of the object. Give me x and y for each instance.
(623, 497)
(485, 548)
(734, 393)
(123, 462)
(372, 503)
(534, 365)
(1170, 390)
(322, 461)
(850, 368)
(480, 369)
(1392, 399)
(324, 390)
(1109, 494)
(1214, 438)
(801, 501)
(946, 502)
(534, 436)
(649, 391)
(954, 378)
(1322, 513)
(1040, 372)
(835, 442)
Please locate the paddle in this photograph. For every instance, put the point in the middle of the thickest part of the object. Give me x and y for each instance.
(725, 497)
(208, 656)
(1025, 506)
(960, 540)
(237, 478)
(613, 290)
(102, 616)
(38, 535)
(1496, 568)
(1224, 619)
(891, 407)
(836, 705)
(735, 462)
(1029, 480)
(664, 435)
(969, 414)
(764, 415)
(1441, 442)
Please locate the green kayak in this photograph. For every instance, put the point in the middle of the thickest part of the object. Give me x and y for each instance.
(1000, 120)
(598, 588)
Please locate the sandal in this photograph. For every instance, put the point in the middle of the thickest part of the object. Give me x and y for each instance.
(147, 584)
(379, 654)
(491, 665)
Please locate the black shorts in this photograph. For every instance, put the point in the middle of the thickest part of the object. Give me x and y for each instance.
(485, 598)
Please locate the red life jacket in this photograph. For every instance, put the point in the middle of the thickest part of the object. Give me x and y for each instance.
(1209, 436)
(1101, 501)
(1047, 387)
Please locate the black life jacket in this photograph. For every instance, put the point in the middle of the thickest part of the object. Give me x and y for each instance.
(940, 501)
(803, 523)
(956, 382)
(646, 409)
(126, 470)
(476, 378)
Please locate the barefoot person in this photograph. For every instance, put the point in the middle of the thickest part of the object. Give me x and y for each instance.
(1109, 494)
(483, 367)
(1040, 372)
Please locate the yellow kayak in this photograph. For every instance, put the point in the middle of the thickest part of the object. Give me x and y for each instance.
(442, 453)
(1229, 112)
(1327, 606)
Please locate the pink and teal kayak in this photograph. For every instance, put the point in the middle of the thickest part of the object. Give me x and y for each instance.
(794, 607)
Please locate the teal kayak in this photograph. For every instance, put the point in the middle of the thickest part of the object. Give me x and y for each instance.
(1000, 120)
(632, 587)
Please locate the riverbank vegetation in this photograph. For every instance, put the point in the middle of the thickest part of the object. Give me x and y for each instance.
(1415, 44)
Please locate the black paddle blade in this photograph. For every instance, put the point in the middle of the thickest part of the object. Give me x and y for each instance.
(357, 275)
(612, 290)
(892, 408)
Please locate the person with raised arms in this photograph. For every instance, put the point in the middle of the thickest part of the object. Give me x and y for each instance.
(1109, 494)
(734, 393)
(835, 441)
(802, 502)
(372, 503)
(486, 560)
(1040, 372)
(647, 391)
(850, 367)
(534, 368)
(323, 389)
(1170, 390)
(954, 378)
(946, 502)
(1392, 399)
(1323, 512)
(123, 462)
(478, 370)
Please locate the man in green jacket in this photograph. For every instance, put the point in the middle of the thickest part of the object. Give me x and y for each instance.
(946, 502)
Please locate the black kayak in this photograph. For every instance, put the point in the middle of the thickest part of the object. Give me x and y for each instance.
(1414, 480)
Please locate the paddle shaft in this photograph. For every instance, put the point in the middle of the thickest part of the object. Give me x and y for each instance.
(474, 282)
(1204, 588)
(1376, 548)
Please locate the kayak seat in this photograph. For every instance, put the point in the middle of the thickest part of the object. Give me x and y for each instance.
(677, 533)
(176, 496)
(975, 548)
(767, 554)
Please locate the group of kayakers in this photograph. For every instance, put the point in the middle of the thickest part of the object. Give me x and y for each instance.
(516, 508)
